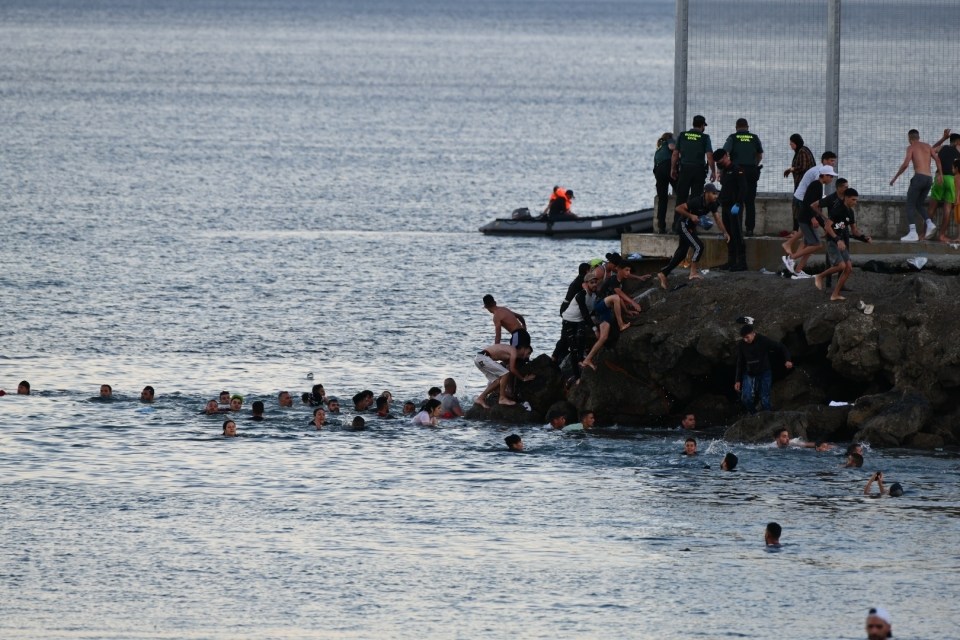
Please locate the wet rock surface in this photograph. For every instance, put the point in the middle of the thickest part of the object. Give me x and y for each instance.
(898, 367)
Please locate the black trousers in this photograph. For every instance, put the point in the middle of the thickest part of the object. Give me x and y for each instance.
(662, 175)
(571, 341)
(690, 179)
(736, 249)
(688, 240)
(752, 175)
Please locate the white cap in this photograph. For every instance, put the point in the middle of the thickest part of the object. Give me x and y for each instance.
(827, 170)
(880, 612)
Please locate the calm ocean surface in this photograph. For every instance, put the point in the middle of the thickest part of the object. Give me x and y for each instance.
(229, 195)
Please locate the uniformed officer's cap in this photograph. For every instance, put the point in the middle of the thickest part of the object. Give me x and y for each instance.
(699, 121)
(742, 123)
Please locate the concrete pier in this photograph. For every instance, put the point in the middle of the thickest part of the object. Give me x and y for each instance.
(878, 217)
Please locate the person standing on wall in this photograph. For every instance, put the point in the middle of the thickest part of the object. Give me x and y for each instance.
(732, 185)
(692, 156)
(661, 172)
(746, 151)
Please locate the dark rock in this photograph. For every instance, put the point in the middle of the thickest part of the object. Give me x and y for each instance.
(890, 423)
(680, 357)
(828, 424)
(928, 441)
(764, 426)
(541, 393)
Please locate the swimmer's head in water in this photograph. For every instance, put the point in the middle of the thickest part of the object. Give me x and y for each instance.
(896, 490)
(106, 391)
(690, 447)
(783, 438)
(729, 462)
(514, 443)
(229, 428)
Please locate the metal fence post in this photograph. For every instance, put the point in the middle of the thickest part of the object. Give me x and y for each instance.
(831, 122)
(680, 68)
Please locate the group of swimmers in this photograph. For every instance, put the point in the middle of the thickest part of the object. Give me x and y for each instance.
(440, 403)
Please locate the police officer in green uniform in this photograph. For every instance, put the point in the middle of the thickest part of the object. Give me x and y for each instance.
(689, 163)
(746, 152)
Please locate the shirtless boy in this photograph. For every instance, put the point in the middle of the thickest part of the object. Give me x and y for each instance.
(498, 362)
(504, 318)
(920, 154)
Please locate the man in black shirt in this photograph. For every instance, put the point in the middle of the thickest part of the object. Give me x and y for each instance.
(690, 213)
(733, 184)
(753, 367)
(839, 229)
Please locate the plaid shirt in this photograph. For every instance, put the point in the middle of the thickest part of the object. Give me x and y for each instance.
(802, 162)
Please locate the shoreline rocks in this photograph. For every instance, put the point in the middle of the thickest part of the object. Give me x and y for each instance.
(899, 367)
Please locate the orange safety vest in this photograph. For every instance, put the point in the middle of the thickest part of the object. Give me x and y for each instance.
(560, 193)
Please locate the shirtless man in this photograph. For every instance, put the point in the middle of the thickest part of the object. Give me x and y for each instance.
(920, 154)
(504, 318)
(498, 362)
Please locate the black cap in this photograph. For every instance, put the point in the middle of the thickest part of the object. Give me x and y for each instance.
(710, 188)
(699, 121)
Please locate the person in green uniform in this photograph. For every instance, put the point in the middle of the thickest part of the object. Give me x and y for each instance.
(661, 172)
(693, 153)
(746, 152)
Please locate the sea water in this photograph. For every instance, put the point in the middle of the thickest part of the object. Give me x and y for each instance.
(233, 195)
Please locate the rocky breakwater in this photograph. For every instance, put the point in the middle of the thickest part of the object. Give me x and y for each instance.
(898, 367)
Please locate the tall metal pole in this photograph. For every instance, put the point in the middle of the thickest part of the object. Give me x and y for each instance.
(831, 121)
(680, 68)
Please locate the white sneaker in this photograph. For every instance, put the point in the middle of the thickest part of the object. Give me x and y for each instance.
(931, 230)
(803, 275)
(911, 237)
(789, 263)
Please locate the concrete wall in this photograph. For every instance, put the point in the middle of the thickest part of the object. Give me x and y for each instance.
(880, 217)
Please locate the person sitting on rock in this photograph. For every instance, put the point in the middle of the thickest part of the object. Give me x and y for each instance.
(753, 367)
